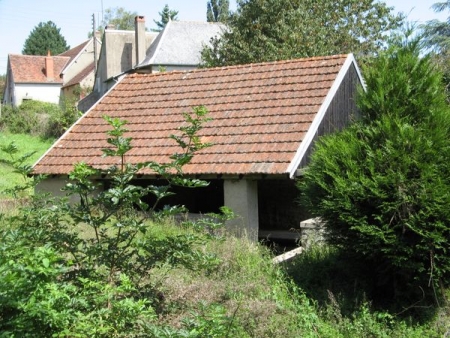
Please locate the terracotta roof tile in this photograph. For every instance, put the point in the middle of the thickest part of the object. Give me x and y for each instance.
(260, 115)
(73, 52)
(31, 68)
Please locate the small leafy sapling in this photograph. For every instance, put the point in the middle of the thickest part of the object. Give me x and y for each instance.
(118, 215)
(99, 281)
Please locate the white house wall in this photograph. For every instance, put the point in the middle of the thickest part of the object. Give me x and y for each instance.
(54, 186)
(41, 92)
(84, 59)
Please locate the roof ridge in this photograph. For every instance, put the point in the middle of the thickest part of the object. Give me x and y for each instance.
(76, 48)
(297, 60)
(247, 65)
(39, 56)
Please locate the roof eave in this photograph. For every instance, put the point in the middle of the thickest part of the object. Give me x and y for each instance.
(79, 119)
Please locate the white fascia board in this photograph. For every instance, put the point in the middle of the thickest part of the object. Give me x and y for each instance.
(304, 145)
(82, 117)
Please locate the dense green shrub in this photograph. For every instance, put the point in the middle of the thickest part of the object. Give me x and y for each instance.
(382, 186)
(83, 269)
(18, 121)
(37, 118)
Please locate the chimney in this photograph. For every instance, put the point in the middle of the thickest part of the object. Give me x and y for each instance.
(49, 67)
(139, 22)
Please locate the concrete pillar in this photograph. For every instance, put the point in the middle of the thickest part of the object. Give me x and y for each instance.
(241, 196)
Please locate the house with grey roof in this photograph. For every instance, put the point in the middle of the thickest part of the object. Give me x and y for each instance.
(121, 51)
(177, 47)
(265, 119)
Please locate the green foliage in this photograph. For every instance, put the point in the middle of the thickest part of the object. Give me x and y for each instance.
(350, 298)
(102, 268)
(218, 10)
(120, 18)
(323, 269)
(37, 302)
(401, 82)
(93, 282)
(436, 33)
(61, 119)
(17, 121)
(166, 15)
(2, 86)
(212, 321)
(37, 118)
(381, 186)
(20, 165)
(436, 37)
(43, 38)
(346, 289)
(268, 30)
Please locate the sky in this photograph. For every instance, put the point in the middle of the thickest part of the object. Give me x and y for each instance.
(74, 18)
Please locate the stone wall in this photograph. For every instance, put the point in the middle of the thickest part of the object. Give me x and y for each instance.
(311, 232)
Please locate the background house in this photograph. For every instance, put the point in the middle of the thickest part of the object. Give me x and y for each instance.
(118, 53)
(79, 74)
(48, 78)
(265, 120)
(177, 47)
(33, 78)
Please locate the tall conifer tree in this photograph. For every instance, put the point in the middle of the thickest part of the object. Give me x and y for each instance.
(43, 38)
(218, 10)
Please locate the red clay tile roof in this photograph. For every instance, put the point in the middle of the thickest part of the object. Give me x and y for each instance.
(260, 115)
(31, 68)
(73, 52)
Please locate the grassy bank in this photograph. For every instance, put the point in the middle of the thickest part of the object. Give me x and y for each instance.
(25, 144)
(238, 292)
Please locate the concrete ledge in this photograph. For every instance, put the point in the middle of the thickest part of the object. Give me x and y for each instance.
(287, 255)
(311, 223)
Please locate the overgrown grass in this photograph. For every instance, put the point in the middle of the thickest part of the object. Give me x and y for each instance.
(243, 294)
(354, 303)
(25, 144)
(260, 299)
